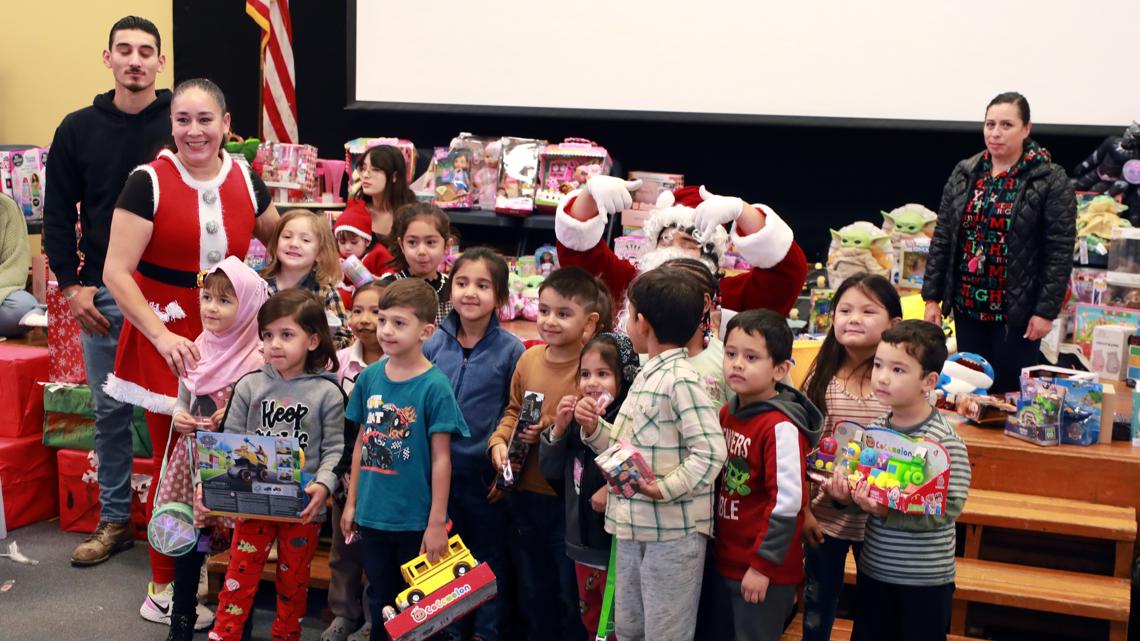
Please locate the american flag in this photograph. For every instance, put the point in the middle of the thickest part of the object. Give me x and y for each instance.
(278, 96)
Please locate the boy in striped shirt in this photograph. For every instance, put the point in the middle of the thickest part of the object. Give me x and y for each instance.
(662, 531)
(906, 569)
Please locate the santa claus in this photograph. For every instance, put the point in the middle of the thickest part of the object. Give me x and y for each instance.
(687, 222)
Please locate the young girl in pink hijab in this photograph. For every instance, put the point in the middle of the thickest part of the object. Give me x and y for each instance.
(229, 347)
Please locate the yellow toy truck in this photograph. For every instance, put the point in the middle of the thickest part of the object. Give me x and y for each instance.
(423, 577)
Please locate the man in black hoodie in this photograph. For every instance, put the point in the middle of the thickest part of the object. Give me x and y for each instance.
(93, 151)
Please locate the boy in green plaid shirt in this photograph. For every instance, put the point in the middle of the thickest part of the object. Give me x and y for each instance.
(662, 531)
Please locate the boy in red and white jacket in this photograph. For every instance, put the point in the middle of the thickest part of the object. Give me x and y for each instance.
(769, 429)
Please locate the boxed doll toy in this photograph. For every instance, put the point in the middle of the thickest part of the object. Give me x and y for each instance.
(909, 265)
(484, 154)
(22, 172)
(624, 467)
(904, 474)
(290, 170)
(819, 316)
(518, 176)
(530, 415)
(356, 147)
(453, 188)
(1088, 285)
(247, 475)
(566, 166)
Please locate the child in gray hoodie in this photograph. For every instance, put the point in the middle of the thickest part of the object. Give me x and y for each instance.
(293, 394)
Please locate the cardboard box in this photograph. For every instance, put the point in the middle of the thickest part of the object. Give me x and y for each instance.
(28, 472)
(245, 475)
(445, 605)
(1110, 351)
(22, 367)
(79, 492)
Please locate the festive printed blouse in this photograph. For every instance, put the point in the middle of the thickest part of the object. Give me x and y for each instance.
(982, 236)
(397, 419)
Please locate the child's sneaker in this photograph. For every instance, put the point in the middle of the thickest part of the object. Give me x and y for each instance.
(338, 630)
(362, 634)
(156, 608)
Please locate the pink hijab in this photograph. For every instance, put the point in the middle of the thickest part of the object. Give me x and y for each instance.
(226, 357)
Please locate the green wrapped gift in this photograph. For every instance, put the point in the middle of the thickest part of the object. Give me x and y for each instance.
(69, 420)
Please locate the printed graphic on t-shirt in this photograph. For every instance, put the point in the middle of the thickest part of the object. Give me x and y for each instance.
(386, 427)
(284, 417)
(737, 474)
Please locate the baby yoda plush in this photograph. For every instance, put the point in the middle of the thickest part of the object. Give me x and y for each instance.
(909, 221)
(858, 247)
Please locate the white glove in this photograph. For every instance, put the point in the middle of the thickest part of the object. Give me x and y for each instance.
(612, 194)
(715, 210)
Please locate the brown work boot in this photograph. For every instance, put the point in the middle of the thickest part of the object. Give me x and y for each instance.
(107, 539)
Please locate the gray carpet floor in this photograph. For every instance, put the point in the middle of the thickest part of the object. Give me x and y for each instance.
(53, 601)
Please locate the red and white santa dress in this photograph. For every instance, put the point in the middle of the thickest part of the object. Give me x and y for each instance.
(776, 279)
(197, 223)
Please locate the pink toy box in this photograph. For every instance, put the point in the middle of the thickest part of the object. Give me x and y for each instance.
(565, 167)
(356, 147)
(22, 178)
(290, 171)
(485, 155)
(518, 176)
(454, 187)
(908, 475)
(624, 467)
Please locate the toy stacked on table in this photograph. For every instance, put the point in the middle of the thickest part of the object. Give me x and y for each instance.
(910, 227)
(438, 593)
(518, 176)
(291, 169)
(905, 474)
(566, 166)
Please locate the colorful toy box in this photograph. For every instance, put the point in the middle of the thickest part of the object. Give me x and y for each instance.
(247, 475)
(485, 154)
(624, 466)
(518, 176)
(909, 266)
(1089, 317)
(290, 171)
(1109, 357)
(653, 184)
(28, 473)
(453, 178)
(1039, 409)
(356, 147)
(1135, 419)
(905, 474)
(69, 420)
(819, 316)
(22, 174)
(79, 492)
(566, 166)
(1088, 285)
(428, 607)
(630, 248)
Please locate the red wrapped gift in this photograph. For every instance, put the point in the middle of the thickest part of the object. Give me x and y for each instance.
(79, 492)
(20, 367)
(27, 472)
(64, 347)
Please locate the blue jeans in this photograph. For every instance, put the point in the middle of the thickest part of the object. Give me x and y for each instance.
(484, 528)
(823, 584)
(112, 419)
(538, 547)
(15, 305)
(382, 553)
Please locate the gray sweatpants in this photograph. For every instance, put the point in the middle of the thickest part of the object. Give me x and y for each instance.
(657, 589)
(760, 621)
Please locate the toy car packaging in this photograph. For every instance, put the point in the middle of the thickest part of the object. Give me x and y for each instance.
(565, 167)
(624, 466)
(905, 474)
(518, 176)
(246, 475)
(530, 414)
(1039, 410)
(438, 593)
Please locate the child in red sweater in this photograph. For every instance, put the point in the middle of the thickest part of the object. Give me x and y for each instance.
(769, 429)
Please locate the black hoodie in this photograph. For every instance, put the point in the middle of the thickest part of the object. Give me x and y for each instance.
(93, 151)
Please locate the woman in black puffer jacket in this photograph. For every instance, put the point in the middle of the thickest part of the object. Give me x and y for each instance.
(1002, 252)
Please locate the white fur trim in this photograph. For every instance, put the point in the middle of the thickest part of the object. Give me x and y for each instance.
(768, 246)
(665, 199)
(577, 234)
(127, 392)
(244, 167)
(153, 186)
(172, 312)
(194, 183)
(366, 235)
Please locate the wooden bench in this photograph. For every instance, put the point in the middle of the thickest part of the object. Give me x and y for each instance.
(1039, 589)
(841, 631)
(319, 574)
(1053, 516)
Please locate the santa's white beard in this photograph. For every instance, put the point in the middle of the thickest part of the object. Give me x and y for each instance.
(656, 257)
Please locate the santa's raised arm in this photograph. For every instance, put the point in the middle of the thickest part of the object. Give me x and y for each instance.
(687, 222)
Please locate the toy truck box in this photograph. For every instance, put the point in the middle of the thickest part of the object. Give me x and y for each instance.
(247, 475)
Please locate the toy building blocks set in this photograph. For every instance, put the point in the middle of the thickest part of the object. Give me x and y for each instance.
(905, 474)
(246, 475)
(438, 593)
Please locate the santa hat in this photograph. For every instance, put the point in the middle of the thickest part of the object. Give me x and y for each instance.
(676, 209)
(356, 220)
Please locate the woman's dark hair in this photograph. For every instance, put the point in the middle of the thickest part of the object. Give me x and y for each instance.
(309, 313)
(496, 266)
(405, 216)
(1012, 98)
(136, 23)
(390, 160)
(211, 89)
(832, 356)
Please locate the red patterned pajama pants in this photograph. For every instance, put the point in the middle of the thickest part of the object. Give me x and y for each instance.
(252, 540)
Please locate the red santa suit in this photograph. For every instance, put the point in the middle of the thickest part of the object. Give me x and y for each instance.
(196, 225)
(776, 279)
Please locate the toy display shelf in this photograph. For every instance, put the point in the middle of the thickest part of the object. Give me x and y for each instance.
(524, 227)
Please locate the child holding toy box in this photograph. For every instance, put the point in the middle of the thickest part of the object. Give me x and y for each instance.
(906, 570)
(769, 429)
